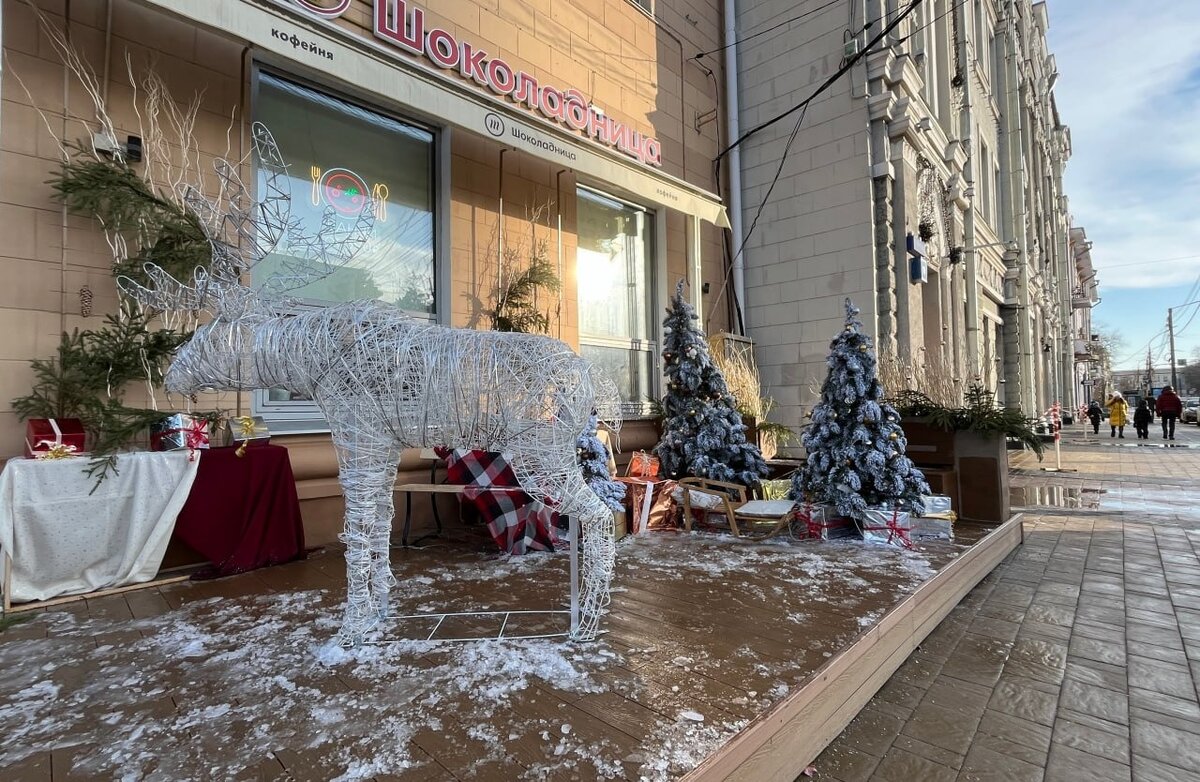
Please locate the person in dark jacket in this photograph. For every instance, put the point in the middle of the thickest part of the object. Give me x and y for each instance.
(1142, 419)
(1094, 414)
(1153, 401)
(1169, 408)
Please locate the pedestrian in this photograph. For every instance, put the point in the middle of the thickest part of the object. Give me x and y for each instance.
(1170, 407)
(1141, 420)
(1153, 404)
(1118, 414)
(1094, 414)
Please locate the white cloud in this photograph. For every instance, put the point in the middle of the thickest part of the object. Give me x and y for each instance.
(1130, 90)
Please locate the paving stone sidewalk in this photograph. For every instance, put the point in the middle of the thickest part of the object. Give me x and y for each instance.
(1077, 659)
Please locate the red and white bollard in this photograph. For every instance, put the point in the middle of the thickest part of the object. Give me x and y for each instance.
(1056, 422)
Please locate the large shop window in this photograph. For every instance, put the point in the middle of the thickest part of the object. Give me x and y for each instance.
(338, 155)
(615, 257)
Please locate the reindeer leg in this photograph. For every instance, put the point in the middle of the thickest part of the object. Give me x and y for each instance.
(563, 480)
(363, 474)
(599, 557)
(382, 578)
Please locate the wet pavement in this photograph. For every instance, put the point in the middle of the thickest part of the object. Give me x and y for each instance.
(1079, 657)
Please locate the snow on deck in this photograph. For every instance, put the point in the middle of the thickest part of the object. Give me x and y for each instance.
(237, 677)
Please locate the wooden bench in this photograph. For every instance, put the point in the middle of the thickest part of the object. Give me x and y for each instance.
(433, 488)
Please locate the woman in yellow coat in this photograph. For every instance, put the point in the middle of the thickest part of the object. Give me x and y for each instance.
(1118, 414)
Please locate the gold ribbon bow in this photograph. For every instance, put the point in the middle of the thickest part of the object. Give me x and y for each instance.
(55, 451)
(247, 431)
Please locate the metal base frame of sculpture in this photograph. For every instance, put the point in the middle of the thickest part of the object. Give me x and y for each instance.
(383, 380)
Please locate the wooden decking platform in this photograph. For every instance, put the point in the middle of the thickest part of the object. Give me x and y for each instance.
(721, 660)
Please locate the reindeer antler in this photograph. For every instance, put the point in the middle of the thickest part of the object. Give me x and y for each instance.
(246, 231)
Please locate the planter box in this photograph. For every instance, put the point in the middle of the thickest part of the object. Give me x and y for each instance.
(970, 468)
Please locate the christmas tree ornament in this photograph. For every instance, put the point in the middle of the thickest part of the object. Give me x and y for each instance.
(86, 297)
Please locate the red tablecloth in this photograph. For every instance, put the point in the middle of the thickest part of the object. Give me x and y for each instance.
(243, 513)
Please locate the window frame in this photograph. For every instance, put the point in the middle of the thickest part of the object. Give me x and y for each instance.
(305, 417)
(655, 269)
(645, 6)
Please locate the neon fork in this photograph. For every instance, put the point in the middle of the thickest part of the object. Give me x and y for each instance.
(315, 173)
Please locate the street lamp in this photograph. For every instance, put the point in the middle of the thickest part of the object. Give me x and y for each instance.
(1009, 246)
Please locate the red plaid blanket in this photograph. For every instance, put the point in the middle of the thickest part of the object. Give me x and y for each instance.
(517, 522)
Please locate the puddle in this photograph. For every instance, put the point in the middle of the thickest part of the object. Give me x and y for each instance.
(1146, 500)
(1055, 497)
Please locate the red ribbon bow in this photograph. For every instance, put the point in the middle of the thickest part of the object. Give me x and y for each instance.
(813, 526)
(195, 435)
(894, 529)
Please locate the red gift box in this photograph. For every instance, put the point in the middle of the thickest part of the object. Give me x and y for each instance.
(42, 433)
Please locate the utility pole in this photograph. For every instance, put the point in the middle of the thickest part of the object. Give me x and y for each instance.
(1149, 374)
(1171, 333)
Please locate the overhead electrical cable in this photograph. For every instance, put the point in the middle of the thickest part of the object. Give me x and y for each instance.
(802, 107)
(752, 36)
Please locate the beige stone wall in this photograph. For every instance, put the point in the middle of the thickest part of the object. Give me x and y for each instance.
(48, 255)
(813, 244)
(629, 63)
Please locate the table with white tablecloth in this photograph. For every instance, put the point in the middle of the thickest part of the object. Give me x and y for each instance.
(61, 534)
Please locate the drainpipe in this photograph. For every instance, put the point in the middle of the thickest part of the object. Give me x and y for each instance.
(733, 131)
(561, 270)
(1068, 287)
(1026, 395)
(971, 261)
(1024, 283)
(500, 229)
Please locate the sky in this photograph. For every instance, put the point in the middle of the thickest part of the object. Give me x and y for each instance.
(1129, 88)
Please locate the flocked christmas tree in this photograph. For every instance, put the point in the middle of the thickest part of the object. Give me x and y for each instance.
(703, 433)
(593, 462)
(856, 448)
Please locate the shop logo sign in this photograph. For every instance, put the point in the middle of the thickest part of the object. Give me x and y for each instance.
(403, 27)
(494, 124)
(326, 9)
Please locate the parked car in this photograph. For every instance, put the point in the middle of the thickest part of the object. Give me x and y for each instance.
(1191, 410)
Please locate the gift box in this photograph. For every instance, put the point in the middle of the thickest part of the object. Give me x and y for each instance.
(934, 527)
(643, 465)
(935, 505)
(42, 434)
(248, 430)
(179, 431)
(820, 522)
(620, 524)
(887, 526)
(649, 504)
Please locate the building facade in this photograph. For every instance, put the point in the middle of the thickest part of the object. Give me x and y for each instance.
(1091, 365)
(925, 184)
(1137, 383)
(490, 135)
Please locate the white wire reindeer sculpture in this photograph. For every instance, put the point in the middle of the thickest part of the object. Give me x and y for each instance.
(383, 380)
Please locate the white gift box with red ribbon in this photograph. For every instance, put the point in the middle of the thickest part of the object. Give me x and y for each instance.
(821, 522)
(888, 526)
